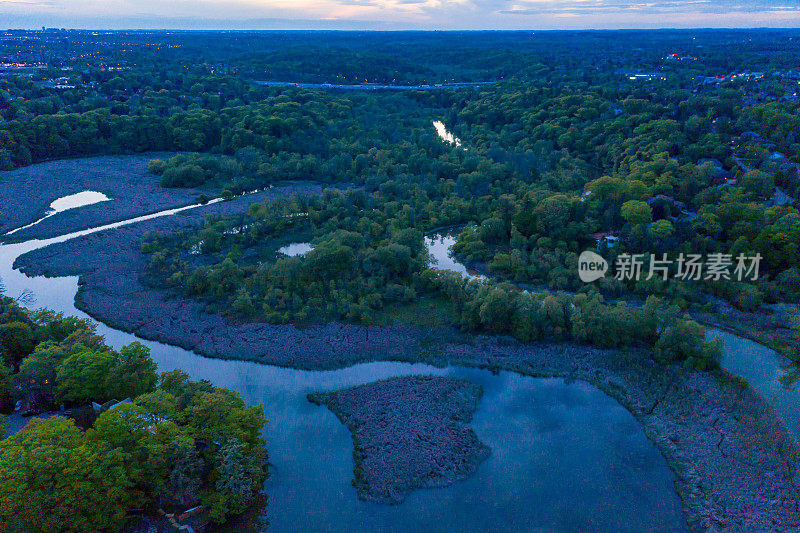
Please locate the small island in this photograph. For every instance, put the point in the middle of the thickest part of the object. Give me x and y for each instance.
(408, 433)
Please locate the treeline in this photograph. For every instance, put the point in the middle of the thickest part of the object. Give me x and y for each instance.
(300, 129)
(584, 318)
(566, 148)
(336, 65)
(47, 359)
(362, 263)
(146, 92)
(172, 444)
(536, 239)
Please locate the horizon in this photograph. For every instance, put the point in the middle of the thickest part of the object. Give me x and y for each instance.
(411, 30)
(422, 275)
(401, 15)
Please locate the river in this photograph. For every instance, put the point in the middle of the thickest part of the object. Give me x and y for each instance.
(565, 456)
(373, 86)
(762, 368)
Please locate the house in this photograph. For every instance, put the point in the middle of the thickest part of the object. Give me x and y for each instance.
(608, 238)
(719, 175)
(750, 136)
(719, 123)
(716, 163)
(117, 404)
(722, 180)
(744, 167)
(110, 404)
(777, 157)
(646, 76)
(777, 161)
(665, 206)
(779, 198)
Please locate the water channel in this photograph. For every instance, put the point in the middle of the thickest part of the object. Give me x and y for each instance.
(565, 456)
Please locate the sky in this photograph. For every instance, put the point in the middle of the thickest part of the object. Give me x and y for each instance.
(398, 14)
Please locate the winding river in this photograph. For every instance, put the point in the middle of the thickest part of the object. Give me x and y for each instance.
(763, 369)
(374, 86)
(565, 457)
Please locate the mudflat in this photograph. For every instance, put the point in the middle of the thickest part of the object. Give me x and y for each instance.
(734, 461)
(409, 432)
(27, 193)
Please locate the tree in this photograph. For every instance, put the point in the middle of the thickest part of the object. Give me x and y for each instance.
(185, 471)
(395, 257)
(6, 374)
(156, 166)
(83, 377)
(497, 310)
(38, 372)
(608, 188)
(758, 183)
(553, 214)
(126, 426)
(636, 212)
(707, 224)
(238, 480)
(50, 480)
(57, 327)
(492, 230)
(16, 341)
(159, 404)
(662, 229)
(554, 318)
(219, 414)
(133, 374)
(683, 340)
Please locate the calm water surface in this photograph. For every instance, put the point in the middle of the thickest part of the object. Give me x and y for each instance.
(446, 136)
(65, 203)
(296, 249)
(763, 369)
(440, 249)
(565, 457)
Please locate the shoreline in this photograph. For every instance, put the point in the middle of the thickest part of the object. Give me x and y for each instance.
(133, 191)
(778, 337)
(719, 438)
(415, 426)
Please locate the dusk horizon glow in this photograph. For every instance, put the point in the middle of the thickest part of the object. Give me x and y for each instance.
(399, 14)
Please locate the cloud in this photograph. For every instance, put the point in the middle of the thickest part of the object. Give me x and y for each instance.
(598, 7)
(398, 14)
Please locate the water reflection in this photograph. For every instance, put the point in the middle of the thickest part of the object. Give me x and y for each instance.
(764, 370)
(296, 249)
(445, 135)
(66, 203)
(440, 247)
(565, 457)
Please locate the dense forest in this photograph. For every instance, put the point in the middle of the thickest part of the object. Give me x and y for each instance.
(687, 146)
(131, 440)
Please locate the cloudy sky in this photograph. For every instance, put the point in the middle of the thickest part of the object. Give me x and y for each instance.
(398, 14)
